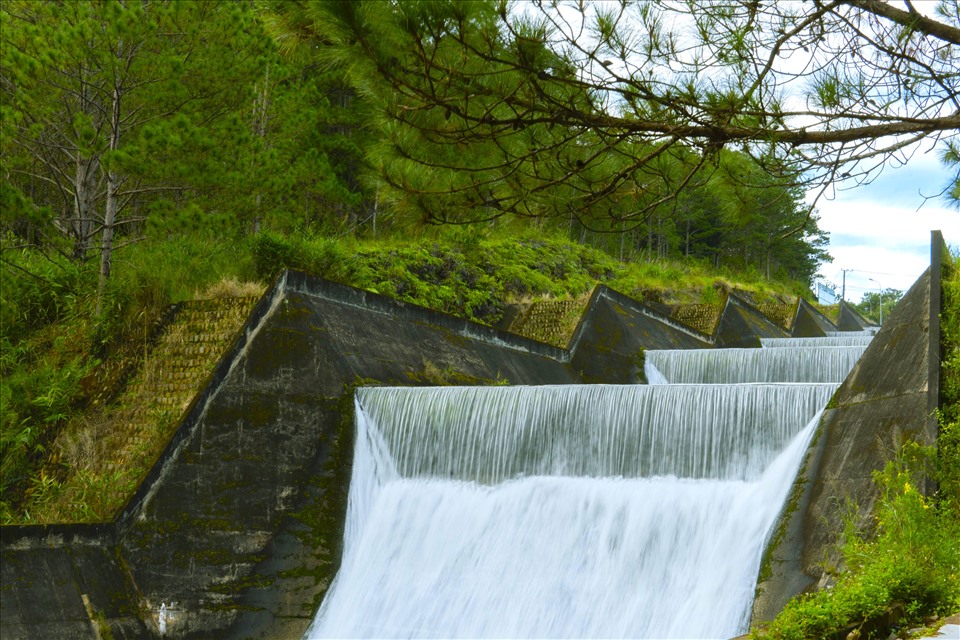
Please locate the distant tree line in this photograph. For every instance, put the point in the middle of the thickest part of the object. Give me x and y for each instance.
(122, 121)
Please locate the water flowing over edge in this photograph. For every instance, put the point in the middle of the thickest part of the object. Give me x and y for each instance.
(732, 366)
(492, 434)
(719, 522)
(835, 341)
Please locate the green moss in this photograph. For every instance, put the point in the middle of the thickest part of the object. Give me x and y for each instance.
(103, 626)
(436, 376)
(641, 361)
(834, 401)
(323, 515)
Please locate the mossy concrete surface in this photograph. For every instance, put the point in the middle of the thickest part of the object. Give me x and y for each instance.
(851, 320)
(742, 325)
(548, 321)
(889, 397)
(778, 308)
(615, 331)
(243, 532)
(702, 317)
(236, 532)
(95, 596)
(810, 322)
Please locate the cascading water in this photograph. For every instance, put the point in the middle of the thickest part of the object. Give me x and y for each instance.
(840, 334)
(835, 341)
(729, 366)
(573, 511)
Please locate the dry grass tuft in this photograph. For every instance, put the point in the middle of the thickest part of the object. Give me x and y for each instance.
(232, 288)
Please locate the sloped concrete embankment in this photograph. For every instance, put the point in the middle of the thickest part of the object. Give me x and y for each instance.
(890, 397)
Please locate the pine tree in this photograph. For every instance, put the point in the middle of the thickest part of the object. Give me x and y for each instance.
(116, 106)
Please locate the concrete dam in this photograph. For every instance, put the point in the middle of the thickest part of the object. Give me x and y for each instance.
(546, 485)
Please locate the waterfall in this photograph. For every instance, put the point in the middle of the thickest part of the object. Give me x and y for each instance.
(835, 341)
(492, 434)
(569, 511)
(728, 366)
(840, 334)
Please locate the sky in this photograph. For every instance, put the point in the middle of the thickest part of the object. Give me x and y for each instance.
(881, 231)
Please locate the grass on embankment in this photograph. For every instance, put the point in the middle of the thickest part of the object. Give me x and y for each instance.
(57, 360)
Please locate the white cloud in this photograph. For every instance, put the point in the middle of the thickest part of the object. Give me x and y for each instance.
(882, 230)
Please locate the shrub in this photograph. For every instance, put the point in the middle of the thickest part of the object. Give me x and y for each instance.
(37, 289)
(913, 559)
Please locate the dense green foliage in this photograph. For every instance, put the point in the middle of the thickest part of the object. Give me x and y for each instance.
(911, 554)
(444, 163)
(55, 357)
(40, 367)
(948, 442)
(913, 560)
(609, 112)
(875, 305)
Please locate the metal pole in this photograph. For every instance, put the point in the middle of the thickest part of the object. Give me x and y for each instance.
(843, 292)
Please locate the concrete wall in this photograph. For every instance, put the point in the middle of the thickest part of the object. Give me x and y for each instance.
(889, 398)
(236, 531)
(66, 582)
(851, 320)
(810, 322)
(608, 344)
(742, 325)
(243, 532)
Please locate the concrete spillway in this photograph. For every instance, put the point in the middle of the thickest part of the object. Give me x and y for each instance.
(851, 334)
(834, 341)
(240, 521)
(574, 511)
(728, 366)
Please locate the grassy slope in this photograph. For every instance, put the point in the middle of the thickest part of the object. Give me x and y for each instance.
(58, 364)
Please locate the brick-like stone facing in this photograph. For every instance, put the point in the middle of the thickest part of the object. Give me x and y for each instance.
(702, 317)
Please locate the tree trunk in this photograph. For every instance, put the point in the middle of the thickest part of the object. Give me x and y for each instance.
(110, 213)
(84, 188)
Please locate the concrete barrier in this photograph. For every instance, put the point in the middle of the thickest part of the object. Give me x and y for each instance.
(236, 530)
(890, 397)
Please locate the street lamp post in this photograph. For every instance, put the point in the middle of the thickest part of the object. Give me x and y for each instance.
(880, 290)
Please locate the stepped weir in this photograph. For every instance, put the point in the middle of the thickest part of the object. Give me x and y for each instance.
(236, 530)
(575, 510)
(858, 340)
(729, 366)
